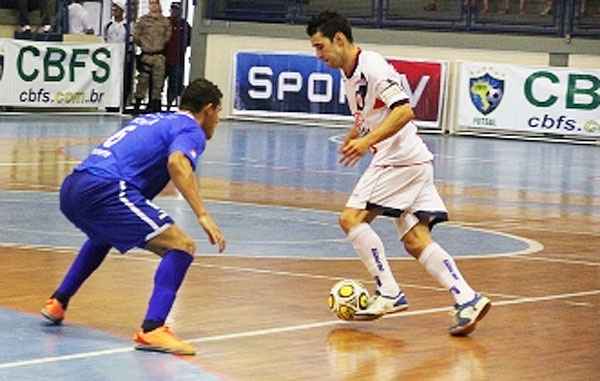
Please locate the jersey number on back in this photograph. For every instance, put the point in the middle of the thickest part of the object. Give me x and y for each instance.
(117, 136)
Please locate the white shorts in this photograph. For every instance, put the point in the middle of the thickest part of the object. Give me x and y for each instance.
(406, 193)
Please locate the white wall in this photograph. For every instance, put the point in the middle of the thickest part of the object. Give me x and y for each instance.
(584, 61)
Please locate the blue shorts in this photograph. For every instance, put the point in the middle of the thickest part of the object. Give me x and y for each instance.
(111, 211)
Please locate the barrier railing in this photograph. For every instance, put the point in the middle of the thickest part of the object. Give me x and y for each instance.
(559, 17)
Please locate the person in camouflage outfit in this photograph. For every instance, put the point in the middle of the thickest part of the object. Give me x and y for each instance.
(151, 34)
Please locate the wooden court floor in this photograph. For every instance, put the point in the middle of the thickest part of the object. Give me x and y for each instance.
(266, 318)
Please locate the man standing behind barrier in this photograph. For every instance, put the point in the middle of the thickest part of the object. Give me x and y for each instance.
(47, 14)
(151, 34)
(79, 19)
(115, 31)
(180, 40)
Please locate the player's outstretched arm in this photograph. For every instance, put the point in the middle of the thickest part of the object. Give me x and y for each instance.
(394, 122)
(354, 149)
(185, 180)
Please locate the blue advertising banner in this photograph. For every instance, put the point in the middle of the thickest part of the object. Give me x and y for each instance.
(298, 85)
(295, 84)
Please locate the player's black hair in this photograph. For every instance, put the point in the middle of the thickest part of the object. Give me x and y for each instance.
(198, 94)
(329, 23)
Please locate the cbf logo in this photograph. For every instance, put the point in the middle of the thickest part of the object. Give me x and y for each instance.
(486, 92)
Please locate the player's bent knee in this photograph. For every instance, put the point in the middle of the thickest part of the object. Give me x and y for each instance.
(350, 218)
(347, 221)
(189, 246)
(413, 245)
(172, 239)
(185, 243)
(185, 246)
(413, 248)
(417, 239)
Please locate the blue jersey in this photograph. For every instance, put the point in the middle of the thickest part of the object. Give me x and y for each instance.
(138, 153)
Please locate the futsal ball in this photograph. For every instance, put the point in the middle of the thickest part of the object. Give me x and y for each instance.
(347, 297)
(494, 96)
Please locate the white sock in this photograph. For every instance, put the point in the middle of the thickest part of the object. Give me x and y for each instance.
(442, 267)
(370, 249)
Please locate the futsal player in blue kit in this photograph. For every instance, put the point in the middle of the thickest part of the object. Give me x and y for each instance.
(108, 196)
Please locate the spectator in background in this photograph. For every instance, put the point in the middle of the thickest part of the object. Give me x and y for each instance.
(506, 8)
(485, 6)
(151, 34)
(94, 10)
(434, 5)
(115, 32)
(548, 8)
(583, 9)
(47, 14)
(79, 22)
(176, 47)
(116, 29)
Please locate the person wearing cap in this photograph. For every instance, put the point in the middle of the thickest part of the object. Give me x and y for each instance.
(116, 30)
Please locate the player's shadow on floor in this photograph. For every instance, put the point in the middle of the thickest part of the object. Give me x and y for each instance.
(354, 352)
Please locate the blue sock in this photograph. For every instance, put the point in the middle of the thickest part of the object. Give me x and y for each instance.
(89, 258)
(168, 278)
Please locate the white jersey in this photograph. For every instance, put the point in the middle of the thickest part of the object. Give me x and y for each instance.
(373, 87)
(115, 32)
(78, 19)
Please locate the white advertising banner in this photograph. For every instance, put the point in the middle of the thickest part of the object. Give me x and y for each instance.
(563, 101)
(44, 74)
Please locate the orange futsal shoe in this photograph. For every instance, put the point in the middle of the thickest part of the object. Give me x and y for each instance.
(53, 311)
(162, 339)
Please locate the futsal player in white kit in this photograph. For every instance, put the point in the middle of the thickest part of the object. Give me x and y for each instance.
(399, 180)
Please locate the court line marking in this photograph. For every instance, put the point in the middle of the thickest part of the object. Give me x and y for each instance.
(558, 260)
(292, 328)
(303, 275)
(71, 250)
